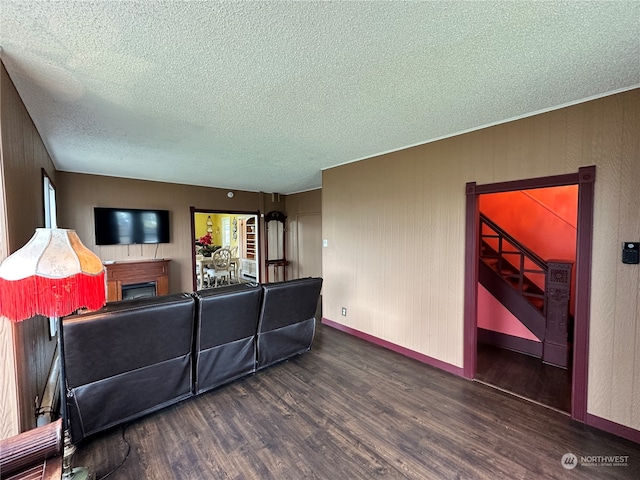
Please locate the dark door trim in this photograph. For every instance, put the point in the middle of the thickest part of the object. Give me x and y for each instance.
(585, 179)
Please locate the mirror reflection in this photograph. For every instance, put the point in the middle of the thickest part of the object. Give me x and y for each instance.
(225, 246)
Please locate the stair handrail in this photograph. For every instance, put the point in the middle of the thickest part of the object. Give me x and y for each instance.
(516, 243)
(556, 350)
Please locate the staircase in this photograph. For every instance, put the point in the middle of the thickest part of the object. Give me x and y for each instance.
(535, 291)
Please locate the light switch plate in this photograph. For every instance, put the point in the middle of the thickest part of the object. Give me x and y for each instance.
(631, 252)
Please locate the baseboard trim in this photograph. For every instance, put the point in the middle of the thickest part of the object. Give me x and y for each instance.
(613, 427)
(510, 342)
(434, 362)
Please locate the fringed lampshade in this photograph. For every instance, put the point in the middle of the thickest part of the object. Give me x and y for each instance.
(53, 275)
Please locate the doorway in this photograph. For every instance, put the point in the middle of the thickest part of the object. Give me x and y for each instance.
(515, 353)
(584, 179)
(235, 230)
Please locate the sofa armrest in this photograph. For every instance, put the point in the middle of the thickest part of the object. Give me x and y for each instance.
(36, 452)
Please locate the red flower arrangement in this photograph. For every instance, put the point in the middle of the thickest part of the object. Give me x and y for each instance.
(205, 240)
(206, 245)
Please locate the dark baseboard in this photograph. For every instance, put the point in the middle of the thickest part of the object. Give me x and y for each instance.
(613, 427)
(434, 362)
(509, 342)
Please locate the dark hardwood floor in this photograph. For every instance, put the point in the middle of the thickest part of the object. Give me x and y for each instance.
(525, 376)
(351, 410)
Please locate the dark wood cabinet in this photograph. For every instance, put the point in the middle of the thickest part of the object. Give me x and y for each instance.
(121, 274)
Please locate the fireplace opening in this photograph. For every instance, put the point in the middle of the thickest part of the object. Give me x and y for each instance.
(138, 290)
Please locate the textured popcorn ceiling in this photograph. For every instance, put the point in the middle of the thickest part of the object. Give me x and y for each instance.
(263, 95)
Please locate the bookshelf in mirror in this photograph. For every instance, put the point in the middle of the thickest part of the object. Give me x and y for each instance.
(250, 239)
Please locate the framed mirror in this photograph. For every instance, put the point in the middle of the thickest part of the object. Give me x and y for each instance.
(275, 246)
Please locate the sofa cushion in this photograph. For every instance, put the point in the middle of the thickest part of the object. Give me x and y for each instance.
(126, 360)
(287, 319)
(226, 323)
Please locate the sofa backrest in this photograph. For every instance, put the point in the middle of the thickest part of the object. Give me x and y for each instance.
(127, 359)
(289, 302)
(134, 357)
(287, 319)
(226, 323)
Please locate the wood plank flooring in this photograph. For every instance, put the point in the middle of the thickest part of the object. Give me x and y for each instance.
(352, 410)
(524, 375)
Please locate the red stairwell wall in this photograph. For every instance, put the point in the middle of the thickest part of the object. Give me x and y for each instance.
(545, 221)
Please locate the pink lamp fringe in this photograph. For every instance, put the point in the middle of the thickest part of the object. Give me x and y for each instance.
(51, 297)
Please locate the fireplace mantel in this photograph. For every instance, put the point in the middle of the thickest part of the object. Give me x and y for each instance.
(142, 271)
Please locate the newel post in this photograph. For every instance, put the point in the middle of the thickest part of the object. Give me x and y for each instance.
(558, 291)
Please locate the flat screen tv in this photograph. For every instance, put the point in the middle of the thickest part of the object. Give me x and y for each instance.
(127, 226)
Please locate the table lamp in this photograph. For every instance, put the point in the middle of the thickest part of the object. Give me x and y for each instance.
(53, 275)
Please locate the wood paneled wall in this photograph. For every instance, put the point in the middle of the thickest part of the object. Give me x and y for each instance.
(395, 231)
(79, 193)
(26, 349)
(9, 412)
(301, 205)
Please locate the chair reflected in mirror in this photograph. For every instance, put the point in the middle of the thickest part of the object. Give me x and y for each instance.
(218, 269)
(234, 265)
(201, 275)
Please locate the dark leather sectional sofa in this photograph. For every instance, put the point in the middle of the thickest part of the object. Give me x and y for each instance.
(134, 357)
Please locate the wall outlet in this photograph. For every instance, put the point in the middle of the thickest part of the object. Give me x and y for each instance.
(344, 312)
(325, 243)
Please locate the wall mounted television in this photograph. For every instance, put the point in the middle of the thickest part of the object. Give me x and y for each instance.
(127, 226)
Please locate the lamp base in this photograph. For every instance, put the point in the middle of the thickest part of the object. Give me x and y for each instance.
(68, 473)
(78, 473)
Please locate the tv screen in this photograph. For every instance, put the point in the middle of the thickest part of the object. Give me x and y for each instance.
(126, 226)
